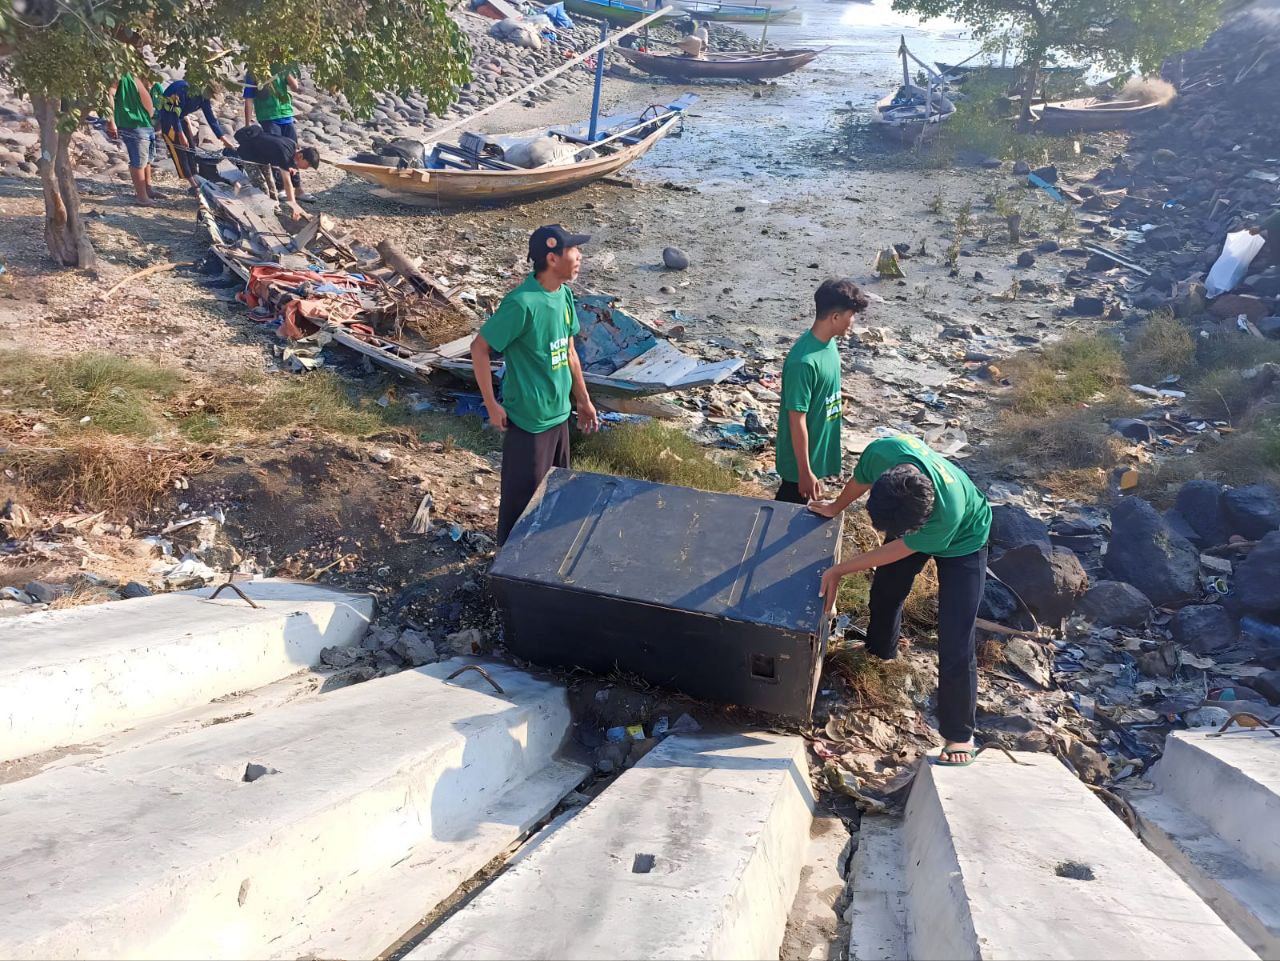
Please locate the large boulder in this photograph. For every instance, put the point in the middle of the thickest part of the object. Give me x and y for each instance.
(1012, 526)
(1049, 579)
(1205, 628)
(1253, 511)
(1144, 552)
(1200, 503)
(1256, 586)
(1115, 604)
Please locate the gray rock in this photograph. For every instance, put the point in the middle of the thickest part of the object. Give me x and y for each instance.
(1179, 525)
(1011, 526)
(1205, 628)
(341, 656)
(1255, 586)
(1026, 259)
(1049, 173)
(1021, 168)
(134, 590)
(1206, 717)
(1270, 327)
(1087, 306)
(998, 603)
(1200, 503)
(1047, 247)
(1146, 553)
(1268, 685)
(42, 592)
(1049, 579)
(465, 642)
(1253, 511)
(1115, 604)
(1030, 658)
(674, 258)
(415, 648)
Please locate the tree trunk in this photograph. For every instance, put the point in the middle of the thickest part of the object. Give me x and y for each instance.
(1031, 68)
(64, 227)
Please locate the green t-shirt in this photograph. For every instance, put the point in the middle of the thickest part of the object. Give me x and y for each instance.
(961, 518)
(128, 110)
(811, 385)
(273, 100)
(533, 330)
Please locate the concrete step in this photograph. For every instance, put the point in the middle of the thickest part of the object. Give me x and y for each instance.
(877, 912)
(1008, 860)
(67, 677)
(383, 797)
(1214, 817)
(694, 853)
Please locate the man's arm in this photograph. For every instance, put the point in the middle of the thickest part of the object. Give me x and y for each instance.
(810, 486)
(588, 419)
(483, 368)
(852, 491)
(882, 555)
(112, 132)
(292, 82)
(250, 92)
(144, 96)
(298, 212)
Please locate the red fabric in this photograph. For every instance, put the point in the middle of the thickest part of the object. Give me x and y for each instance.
(301, 316)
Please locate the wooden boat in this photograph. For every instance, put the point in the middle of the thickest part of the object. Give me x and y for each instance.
(963, 71)
(474, 171)
(734, 12)
(1091, 113)
(614, 11)
(911, 113)
(720, 66)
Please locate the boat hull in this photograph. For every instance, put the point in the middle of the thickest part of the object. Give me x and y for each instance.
(719, 66)
(620, 14)
(481, 186)
(1071, 115)
(728, 13)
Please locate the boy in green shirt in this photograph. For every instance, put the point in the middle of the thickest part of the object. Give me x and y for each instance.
(131, 112)
(924, 506)
(808, 446)
(533, 329)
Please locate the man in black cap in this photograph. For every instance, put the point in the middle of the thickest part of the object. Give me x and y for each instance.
(282, 155)
(533, 329)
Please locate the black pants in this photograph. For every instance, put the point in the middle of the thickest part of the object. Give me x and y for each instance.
(526, 459)
(789, 493)
(960, 584)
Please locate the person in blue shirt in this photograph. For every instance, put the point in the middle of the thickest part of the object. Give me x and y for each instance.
(177, 103)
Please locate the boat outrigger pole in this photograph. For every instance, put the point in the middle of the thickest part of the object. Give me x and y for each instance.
(602, 46)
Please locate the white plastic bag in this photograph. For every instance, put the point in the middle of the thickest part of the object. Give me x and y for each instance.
(1229, 269)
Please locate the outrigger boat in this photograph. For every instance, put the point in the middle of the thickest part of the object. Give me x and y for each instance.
(912, 113)
(479, 168)
(734, 12)
(1091, 113)
(614, 11)
(720, 66)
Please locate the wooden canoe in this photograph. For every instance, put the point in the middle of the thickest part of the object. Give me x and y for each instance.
(480, 185)
(1090, 113)
(614, 11)
(720, 66)
(906, 125)
(734, 12)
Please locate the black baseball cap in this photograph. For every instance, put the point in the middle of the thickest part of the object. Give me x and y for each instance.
(554, 239)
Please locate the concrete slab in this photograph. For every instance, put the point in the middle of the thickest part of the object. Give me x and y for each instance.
(694, 853)
(1213, 819)
(67, 677)
(877, 912)
(383, 798)
(1012, 860)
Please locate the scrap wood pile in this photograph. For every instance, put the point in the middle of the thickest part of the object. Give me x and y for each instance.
(315, 283)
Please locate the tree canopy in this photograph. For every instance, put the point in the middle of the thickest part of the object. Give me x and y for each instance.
(66, 54)
(1111, 34)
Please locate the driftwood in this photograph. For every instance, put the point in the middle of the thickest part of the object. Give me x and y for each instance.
(396, 259)
(139, 274)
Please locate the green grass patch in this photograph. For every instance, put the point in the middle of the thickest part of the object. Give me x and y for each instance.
(652, 451)
(1080, 369)
(119, 396)
(1162, 347)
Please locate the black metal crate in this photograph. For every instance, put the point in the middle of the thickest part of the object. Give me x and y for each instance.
(714, 595)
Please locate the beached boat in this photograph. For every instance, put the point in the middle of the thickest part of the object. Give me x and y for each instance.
(614, 11)
(912, 113)
(720, 66)
(1091, 113)
(733, 12)
(479, 168)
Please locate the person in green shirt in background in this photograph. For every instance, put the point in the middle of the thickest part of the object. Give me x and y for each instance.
(271, 105)
(131, 113)
(533, 329)
(808, 446)
(924, 506)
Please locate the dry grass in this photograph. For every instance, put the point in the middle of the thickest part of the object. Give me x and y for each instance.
(99, 471)
(1080, 369)
(875, 683)
(653, 451)
(1069, 439)
(84, 595)
(1162, 347)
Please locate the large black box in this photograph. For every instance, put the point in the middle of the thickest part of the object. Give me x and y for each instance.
(714, 595)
